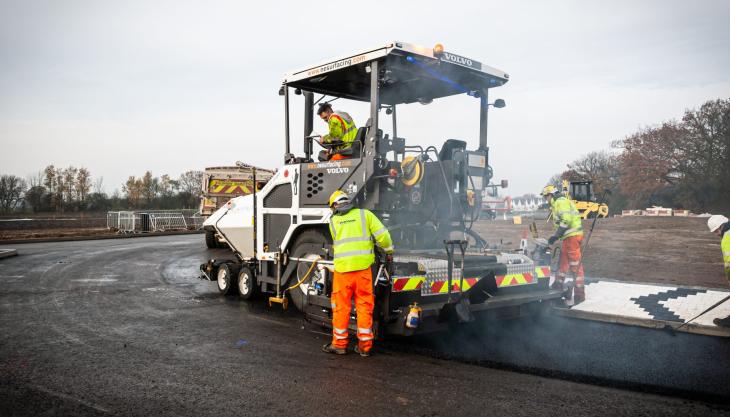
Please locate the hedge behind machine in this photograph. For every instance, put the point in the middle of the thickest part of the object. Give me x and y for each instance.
(426, 196)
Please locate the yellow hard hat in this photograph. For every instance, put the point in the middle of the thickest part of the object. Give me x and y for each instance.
(549, 190)
(338, 196)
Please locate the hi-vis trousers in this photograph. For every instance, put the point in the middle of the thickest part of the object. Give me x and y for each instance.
(570, 260)
(345, 285)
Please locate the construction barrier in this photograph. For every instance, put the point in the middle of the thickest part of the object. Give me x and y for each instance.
(122, 221)
(163, 221)
(658, 211)
(152, 220)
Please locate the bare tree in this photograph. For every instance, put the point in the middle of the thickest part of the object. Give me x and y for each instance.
(11, 191)
(149, 187)
(168, 186)
(99, 185)
(191, 182)
(83, 183)
(133, 189)
(191, 187)
(69, 183)
(601, 167)
(50, 178)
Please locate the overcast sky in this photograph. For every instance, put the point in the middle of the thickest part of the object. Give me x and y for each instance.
(121, 87)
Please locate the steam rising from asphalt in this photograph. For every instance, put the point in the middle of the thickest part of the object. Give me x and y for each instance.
(625, 356)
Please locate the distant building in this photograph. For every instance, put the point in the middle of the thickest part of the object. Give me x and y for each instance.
(527, 204)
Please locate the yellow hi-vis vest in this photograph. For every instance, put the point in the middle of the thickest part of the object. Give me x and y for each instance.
(352, 239)
(343, 128)
(566, 215)
(725, 246)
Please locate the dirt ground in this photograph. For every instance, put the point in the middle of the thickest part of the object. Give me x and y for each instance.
(670, 250)
(53, 233)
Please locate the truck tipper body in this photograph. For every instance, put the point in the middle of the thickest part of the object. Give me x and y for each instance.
(220, 185)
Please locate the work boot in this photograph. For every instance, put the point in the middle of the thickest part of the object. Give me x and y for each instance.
(579, 295)
(722, 322)
(362, 353)
(578, 298)
(331, 349)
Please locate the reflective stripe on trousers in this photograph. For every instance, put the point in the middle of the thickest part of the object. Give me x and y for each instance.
(364, 334)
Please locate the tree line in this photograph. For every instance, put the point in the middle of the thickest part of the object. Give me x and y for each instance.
(679, 163)
(71, 189)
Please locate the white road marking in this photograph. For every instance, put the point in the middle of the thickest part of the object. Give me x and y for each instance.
(95, 280)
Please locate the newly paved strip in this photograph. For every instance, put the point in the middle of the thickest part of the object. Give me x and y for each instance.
(124, 327)
(653, 305)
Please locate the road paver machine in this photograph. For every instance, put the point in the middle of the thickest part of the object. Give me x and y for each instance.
(428, 198)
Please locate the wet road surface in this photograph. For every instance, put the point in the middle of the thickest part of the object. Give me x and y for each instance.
(123, 327)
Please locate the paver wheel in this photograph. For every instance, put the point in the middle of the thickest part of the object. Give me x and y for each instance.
(226, 278)
(210, 241)
(247, 285)
(309, 245)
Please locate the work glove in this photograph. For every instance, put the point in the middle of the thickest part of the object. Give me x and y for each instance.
(552, 240)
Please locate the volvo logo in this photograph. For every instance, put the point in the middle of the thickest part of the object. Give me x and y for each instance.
(458, 59)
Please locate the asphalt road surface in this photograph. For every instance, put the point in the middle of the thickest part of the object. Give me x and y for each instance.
(124, 327)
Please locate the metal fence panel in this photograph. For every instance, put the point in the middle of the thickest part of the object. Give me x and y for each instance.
(162, 221)
(153, 220)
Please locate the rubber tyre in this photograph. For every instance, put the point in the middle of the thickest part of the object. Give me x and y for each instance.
(246, 283)
(225, 278)
(309, 242)
(210, 241)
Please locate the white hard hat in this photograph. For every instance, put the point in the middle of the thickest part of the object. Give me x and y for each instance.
(714, 222)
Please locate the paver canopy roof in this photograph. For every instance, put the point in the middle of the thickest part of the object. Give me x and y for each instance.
(409, 73)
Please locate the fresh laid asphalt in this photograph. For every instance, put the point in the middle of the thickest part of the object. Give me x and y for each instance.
(124, 327)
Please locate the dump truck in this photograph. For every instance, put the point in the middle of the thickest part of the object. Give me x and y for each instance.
(582, 195)
(426, 196)
(220, 185)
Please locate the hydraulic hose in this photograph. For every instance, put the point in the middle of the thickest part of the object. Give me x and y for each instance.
(306, 276)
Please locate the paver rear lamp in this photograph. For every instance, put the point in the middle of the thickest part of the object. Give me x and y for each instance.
(438, 49)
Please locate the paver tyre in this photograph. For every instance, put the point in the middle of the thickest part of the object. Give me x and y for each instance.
(210, 241)
(226, 278)
(246, 283)
(308, 245)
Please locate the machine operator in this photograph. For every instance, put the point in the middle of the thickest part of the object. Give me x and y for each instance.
(342, 132)
(353, 231)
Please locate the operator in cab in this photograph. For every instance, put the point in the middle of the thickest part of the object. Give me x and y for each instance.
(342, 132)
(569, 230)
(353, 232)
